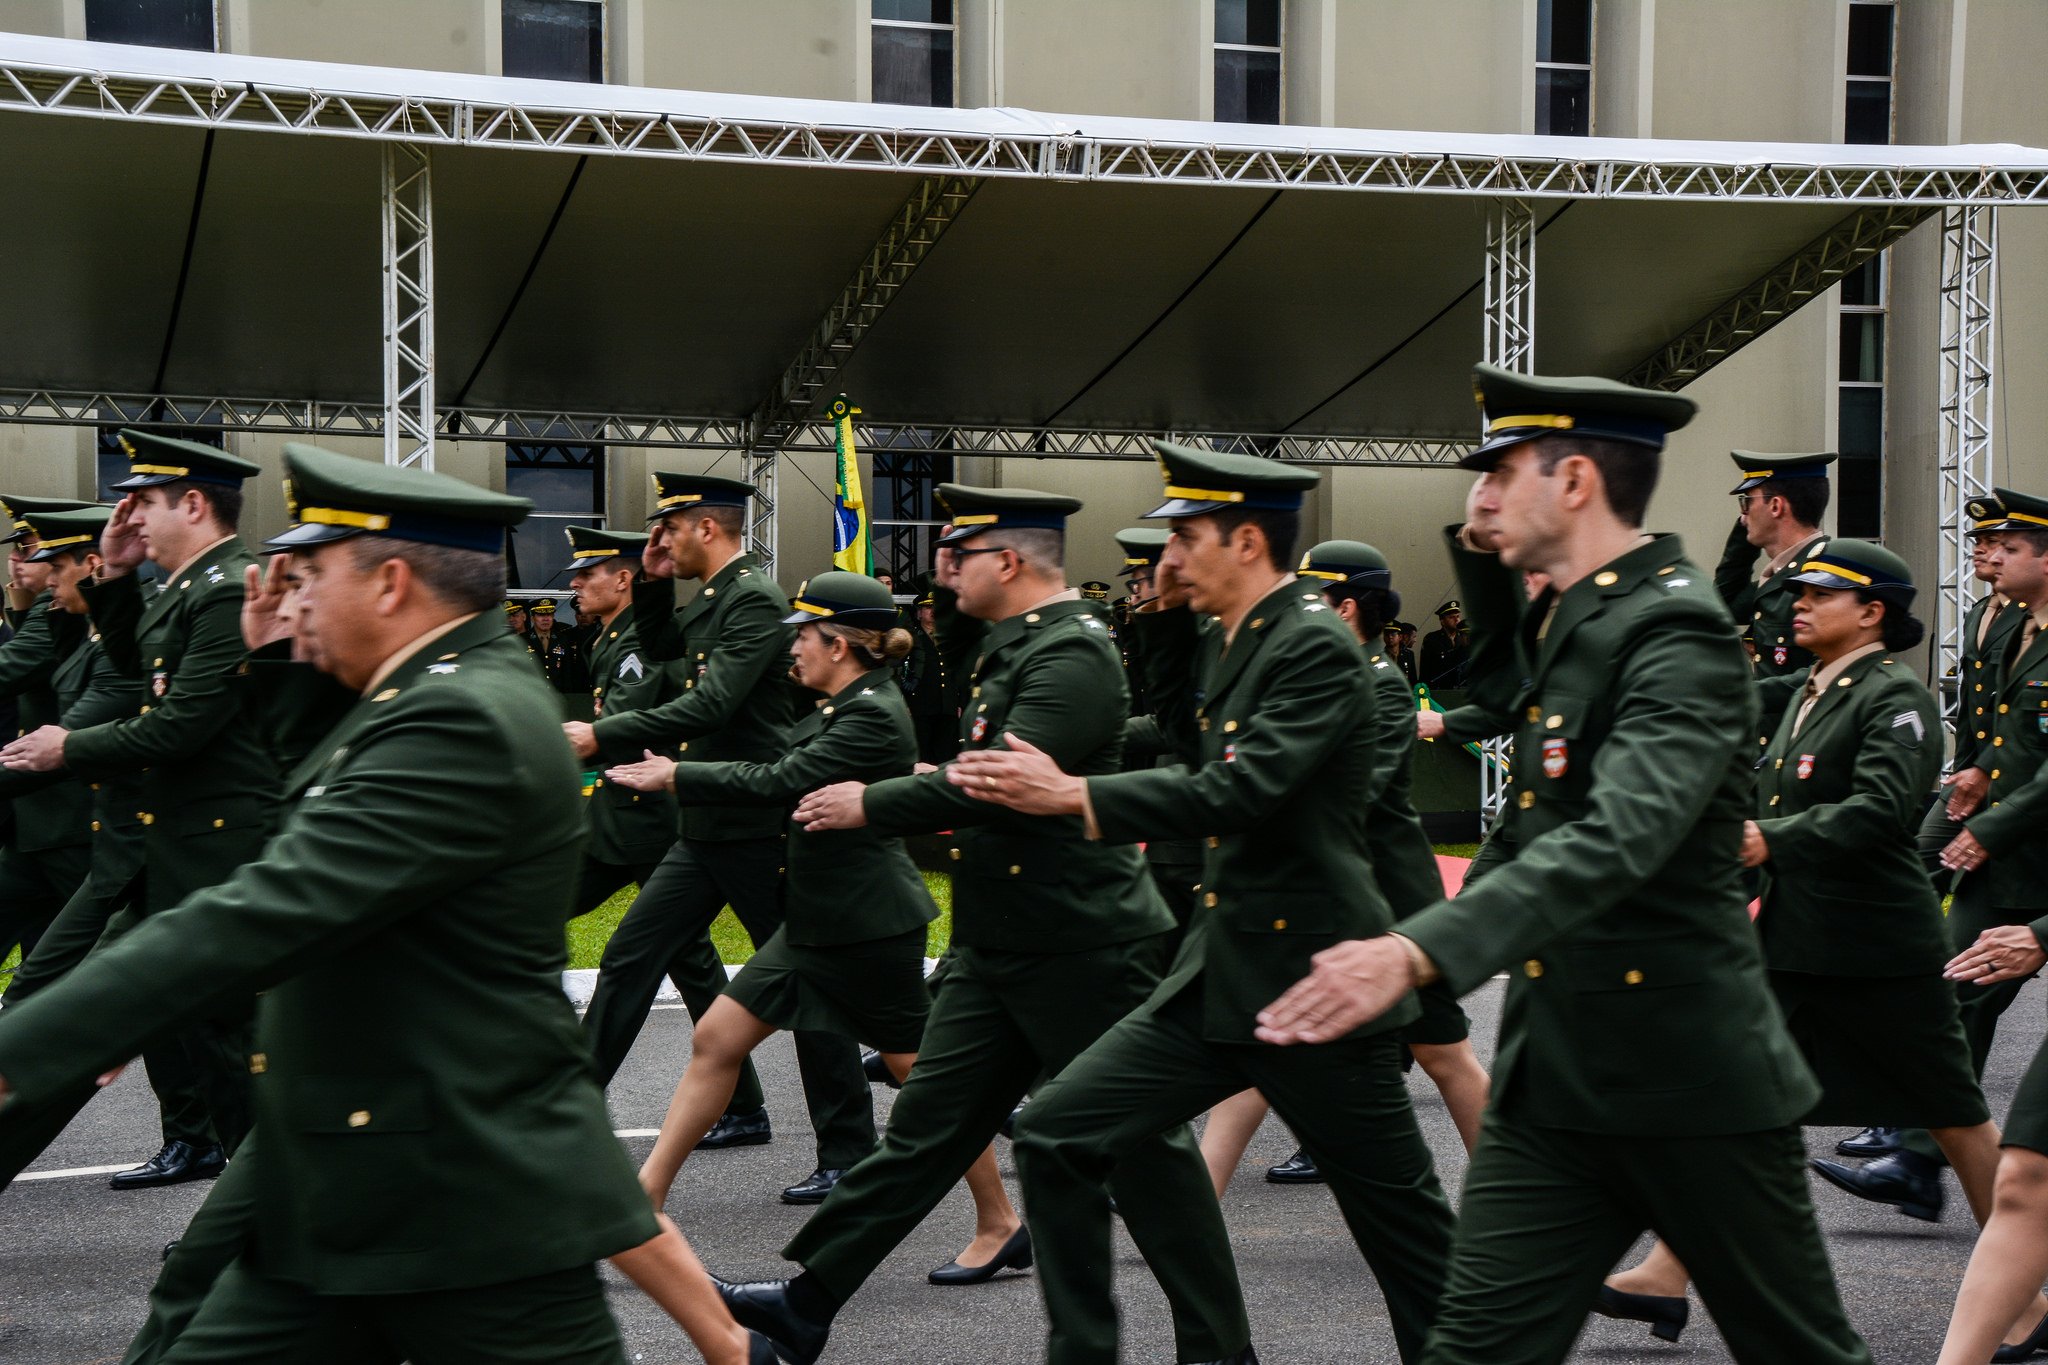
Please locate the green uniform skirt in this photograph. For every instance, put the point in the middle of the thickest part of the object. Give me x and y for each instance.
(872, 991)
(1886, 1049)
(2026, 1123)
(1443, 1018)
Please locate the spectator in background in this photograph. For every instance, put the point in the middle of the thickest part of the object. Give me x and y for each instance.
(1444, 649)
(1398, 639)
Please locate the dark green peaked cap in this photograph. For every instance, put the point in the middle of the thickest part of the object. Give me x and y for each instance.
(1986, 513)
(1142, 546)
(593, 545)
(1522, 407)
(851, 599)
(974, 510)
(2022, 511)
(1200, 481)
(1860, 565)
(73, 529)
(17, 507)
(687, 492)
(1758, 467)
(1347, 561)
(332, 497)
(155, 459)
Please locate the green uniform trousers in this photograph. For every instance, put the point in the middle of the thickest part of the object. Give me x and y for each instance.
(1345, 1100)
(1546, 1213)
(1000, 1019)
(1937, 832)
(34, 887)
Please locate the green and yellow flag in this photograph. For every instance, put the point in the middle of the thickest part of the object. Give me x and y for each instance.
(851, 548)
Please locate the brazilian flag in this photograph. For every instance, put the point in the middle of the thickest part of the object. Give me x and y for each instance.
(851, 548)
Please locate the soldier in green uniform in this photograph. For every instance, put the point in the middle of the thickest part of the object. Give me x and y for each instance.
(925, 684)
(561, 657)
(737, 705)
(1780, 501)
(436, 1170)
(1176, 864)
(1269, 697)
(632, 831)
(1055, 938)
(1644, 1077)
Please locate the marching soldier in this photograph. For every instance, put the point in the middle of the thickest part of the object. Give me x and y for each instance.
(1176, 864)
(1644, 1077)
(1780, 500)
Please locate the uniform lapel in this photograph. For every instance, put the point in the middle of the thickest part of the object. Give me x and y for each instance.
(1837, 691)
(2017, 665)
(1230, 664)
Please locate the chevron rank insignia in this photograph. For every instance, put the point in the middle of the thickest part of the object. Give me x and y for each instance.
(1909, 728)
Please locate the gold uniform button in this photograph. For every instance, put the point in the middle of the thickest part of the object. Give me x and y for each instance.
(1258, 621)
(1759, 616)
(1229, 727)
(160, 663)
(1998, 742)
(145, 711)
(1210, 900)
(954, 853)
(220, 824)
(1779, 764)
(258, 1064)
(596, 783)
(95, 827)
(1994, 777)
(1533, 714)
(1980, 734)
(95, 786)
(1632, 977)
(828, 710)
(2001, 708)
(1526, 800)
(386, 695)
(1553, 722)
(1978, 664)
(148, 819)
(359, 1119)
(1532, 969)
(1205, 726)
(1279, 924)
(1606, 578)
(1015, 870)
(1845, 682)
(711, 592)
(1215, 842)
(1774, 800)
(1031, 616)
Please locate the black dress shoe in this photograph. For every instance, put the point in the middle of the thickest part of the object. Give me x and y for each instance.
(2035, 1343)
(1015, 1255)
(813, 1188)
(878, 1072)
(1008, 1127)
(1870, 1142)
(763, 1307)
(1299, 1169)
(738, 1130)
(760, 1350)
(177, 1163)
(1907, 1180)
(1666, 1314)
(170, 1247)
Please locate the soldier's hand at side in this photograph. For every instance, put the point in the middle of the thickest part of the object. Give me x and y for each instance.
(1966, 792)
(1964, 853)
(582, 737)
(121, 541)
(1022, 777)
(1350, 984)
(2005, 953)
(1429, 725)
(39, 751)
(921, 768)
(652, 773)
(839, 806)
(1755, 852)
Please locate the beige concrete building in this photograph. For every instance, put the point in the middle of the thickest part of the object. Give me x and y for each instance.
(1860, 374)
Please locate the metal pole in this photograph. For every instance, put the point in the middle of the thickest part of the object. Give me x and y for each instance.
(758, 468)
(1969, 262)
(408, 279)
(1510, 342)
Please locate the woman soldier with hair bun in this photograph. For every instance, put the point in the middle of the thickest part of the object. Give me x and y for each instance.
(849, 957)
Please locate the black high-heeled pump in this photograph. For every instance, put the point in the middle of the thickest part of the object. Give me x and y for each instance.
(1015, 1255)
(2036, 1342)
(1667, 1316)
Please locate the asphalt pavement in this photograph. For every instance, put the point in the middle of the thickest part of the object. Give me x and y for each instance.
(76, 1258)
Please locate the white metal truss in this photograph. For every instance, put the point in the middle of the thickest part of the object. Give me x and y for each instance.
(1033, 153)
(758, 468)
(408, 287)
(1509, 341)
(1969, 285)
(1785, 289)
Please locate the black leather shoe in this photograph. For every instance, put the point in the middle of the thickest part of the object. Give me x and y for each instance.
(1015, 1255)
(1008, 1127)
(760, 1350)
(1667, 1315)
(738, 1130)
(1870, 1142)
(1906, 1180)
(763, 1307)
(1299, 1169)
(177, 1163)
(813, 1188)
(2035, 1343)
(170, 1247)
(877, 1070)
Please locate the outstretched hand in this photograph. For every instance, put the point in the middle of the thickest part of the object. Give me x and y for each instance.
(1350, 984)
(1022, 777)
(652, 773)
(839, 806)
(2004, 953)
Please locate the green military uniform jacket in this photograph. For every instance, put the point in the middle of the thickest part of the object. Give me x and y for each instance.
(1147, 746)
(426, 1114)
(737, 704)
(59, 816)
(89, 690)
(1844, 892)
(1977, 676)
(1637, 1003)
(841, 885)
(628, 827)
(1403, 859)
(210, 782)
(2015, 809)
(1035, 883)
(1764, 609)
(1282, 727)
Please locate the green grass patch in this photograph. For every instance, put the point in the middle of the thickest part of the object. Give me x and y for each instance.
(1458, 850)
(589, 933)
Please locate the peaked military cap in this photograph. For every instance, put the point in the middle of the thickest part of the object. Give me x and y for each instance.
(974, 510)
(2021, 511)
(544, 607)
(1860, 565)
(332, 497)
(1351, 562)
(511, 606)
(1095, 590)
(851, 599)
(1759, 468)
(1202, 481)
(57, 533)
(155, 459)
(686, 492)
(1986, 514)
(592, 545)
(1142, 546)
(1450, 605)
(17, 509)
(1522, 407)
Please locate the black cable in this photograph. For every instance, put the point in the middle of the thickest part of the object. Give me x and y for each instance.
(163, 360)
(505, 320)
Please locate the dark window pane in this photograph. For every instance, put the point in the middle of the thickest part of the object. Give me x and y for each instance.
(1247, 87)
(537, 553)
(1868, 117)
(554, 40)
(914, 66)
(152, 23)
(1870, 40)
(1256, 22)
(1564, 102)
(1564, 30)
(1859, 498)
(1864, 286)
(1863, 347)
(916, 11)
(1860, 428)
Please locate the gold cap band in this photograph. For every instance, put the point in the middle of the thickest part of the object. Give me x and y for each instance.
(175, 470)
(595, 554)
(341, 516)
(2024, 516)
(1555, 421)
(1204, 494)
(802, 605)
(68, 540)
(1837, 570)
(1320, 573)
(986, 519)
(678, 499)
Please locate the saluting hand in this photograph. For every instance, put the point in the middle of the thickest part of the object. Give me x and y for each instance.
(654, 560)
(2005, 953)
(839, 806)
(652, 773)
(1351, 984)
(39, 751)
(1966, 792)
(1022, 777)
(582, 737)
(121, 541)
(263, 594)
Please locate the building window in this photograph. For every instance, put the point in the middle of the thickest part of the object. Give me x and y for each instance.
(904, 516)
(1247, 61)
(1564, 67)
(189, 24)
(1860, 392)
(555, 40)
(1867, 114)
(566, 484)
(913, 52)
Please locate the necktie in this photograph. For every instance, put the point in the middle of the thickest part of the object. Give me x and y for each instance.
(1984, 624)
(1808, 696)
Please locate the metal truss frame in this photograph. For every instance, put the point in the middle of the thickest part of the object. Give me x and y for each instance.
(1776, 295)
(1508, 324)
(1032, 154)
(1969, 289)
(408, 289)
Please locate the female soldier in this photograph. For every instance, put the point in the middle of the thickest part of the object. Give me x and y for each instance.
(1851, 927)
(849, 957)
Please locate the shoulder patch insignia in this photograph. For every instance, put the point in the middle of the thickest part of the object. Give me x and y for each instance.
(1315, 606)
(1090, 623)
(1909, 729)
(214, 575)
(443, 669)
(631, 665)
(1678, 582)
